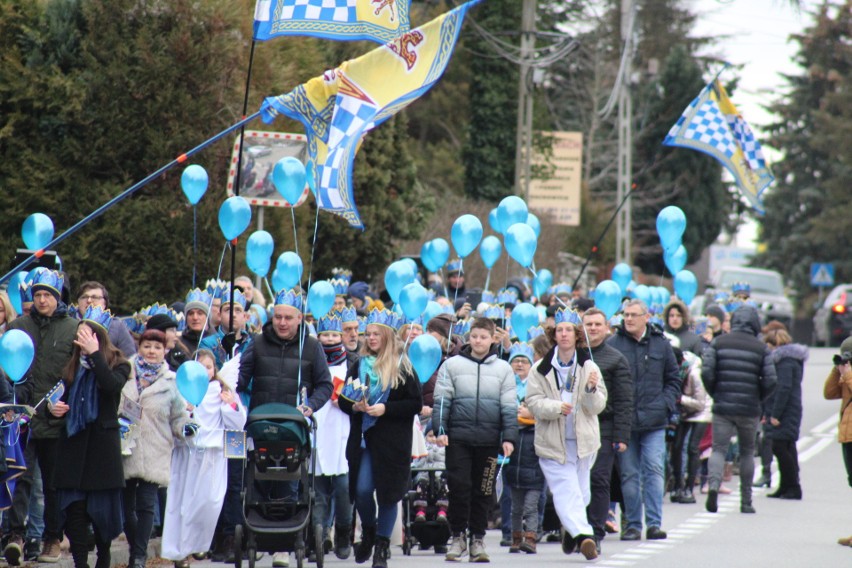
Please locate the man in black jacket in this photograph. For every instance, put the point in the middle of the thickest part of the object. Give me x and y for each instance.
(739, 374)
(615, 421)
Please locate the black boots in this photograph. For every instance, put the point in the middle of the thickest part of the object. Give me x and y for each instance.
(342, 542)
(380, 556)
(364, 549)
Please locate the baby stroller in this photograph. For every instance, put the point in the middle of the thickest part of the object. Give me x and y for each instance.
(278, 488)
(430, 532)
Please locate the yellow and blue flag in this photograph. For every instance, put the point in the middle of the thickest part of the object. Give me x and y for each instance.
(339, 107)
(342, 20)
(713, 125)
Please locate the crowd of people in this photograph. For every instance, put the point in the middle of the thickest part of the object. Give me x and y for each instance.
(587, 418)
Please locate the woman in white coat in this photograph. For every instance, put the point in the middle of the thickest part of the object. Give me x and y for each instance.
(565, 394)
(199, 474)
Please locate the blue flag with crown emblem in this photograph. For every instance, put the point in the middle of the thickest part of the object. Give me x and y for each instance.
(342, 20)
(339, 107)
(713, 125)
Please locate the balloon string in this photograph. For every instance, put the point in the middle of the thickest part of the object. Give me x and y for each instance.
(295, 236)
(313, 248)
(210, 305)
(488, 279)
(194, 243)
(455, 297)
(268, 287)
(404, 347)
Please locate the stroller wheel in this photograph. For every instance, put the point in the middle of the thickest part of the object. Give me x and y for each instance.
(252, 557)
(406, 547)
(319, 548)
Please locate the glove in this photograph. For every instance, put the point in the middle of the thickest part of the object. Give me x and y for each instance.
(229, 341)
(190, 430)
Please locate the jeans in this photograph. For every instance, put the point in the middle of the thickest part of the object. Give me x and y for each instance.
(724, 427)
(601, 476)
(332, 489)
(525, 509)
(642, 478)
(470, 479)
(365, 502)
(140, 499)
(506, 510)
(35, 508)
(688, 435)
(232, 508)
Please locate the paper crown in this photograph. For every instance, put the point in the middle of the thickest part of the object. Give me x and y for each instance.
(290, 298)
(347, 315)
(341, 278)
(732, 305)
(385, 317)
(239, 297)
(416, 321)
(329, 324)
(534, 332)
(560, 288)
(155, 309)
(181, 321)
(741, 288)
(494, 312)
(26, 292)
(198, 295)
(133, 323)
(461, 328)
(362, 324)
(567, 316)
(507, 296)
(521, 350)
(216, 287)
(488, 297)
(454, 265)
(74, 311)
(98, 316)
(48, 279)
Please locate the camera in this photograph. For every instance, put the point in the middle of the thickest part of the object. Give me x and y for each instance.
(843, 358)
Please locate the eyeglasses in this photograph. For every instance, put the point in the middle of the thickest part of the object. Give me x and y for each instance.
(628, 315)
(89, 297)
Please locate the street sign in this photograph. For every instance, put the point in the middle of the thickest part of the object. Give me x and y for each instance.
(822, 274)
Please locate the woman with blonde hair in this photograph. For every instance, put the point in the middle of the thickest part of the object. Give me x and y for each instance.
(382, 396)
(7, 312)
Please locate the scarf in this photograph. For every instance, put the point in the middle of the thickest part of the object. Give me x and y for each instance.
(375, 394)
(334, 354)
(82, 400)
(146, 373)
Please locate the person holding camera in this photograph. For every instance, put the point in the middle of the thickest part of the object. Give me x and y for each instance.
(838, 385)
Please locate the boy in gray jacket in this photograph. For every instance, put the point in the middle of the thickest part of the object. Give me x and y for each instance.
(475, 413)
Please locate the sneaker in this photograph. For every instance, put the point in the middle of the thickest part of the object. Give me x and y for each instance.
(420, 516)
(655, 533)
(631, 534)
(441, 517)
(712, 504)
(50, 552)
(32, 548)
(14, 550)
(281, 559)
(458, 548)
(477, 551)
(687, 497)
(568, 542)
(747, 508)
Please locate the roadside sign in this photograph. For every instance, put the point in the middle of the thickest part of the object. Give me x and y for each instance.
(822, 274)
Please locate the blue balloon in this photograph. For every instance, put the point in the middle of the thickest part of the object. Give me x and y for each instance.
(622, 274)
(320, 298)
(426, 257)
(259, 252)
(490, 250)
(289, 268)
(533, 222)
(260, 312)
(433, 309)
(521, 243)
(642, 292)
(397, 276)
(524, 316)
(425, 355)
(412, 264)
(16, 354)
(466, 234)
(14, 292)
(656, 297)
(685, 286)
(494, 221)
(234, 217)
(192, 382)
(543, 281)
(665, 295)
(413, 299)
(289, 178)
(511, 210)
(675, 259)
(37, 231)
(671, 223)
(608, 296)
(440, 253)
(194, 182)
(278, 281)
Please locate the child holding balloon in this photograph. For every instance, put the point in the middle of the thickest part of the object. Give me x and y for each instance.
(192, 508)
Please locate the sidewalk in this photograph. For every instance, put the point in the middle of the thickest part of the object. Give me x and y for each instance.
(118, 552)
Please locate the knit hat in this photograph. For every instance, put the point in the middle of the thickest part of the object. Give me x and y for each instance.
(716, 311)
(50, 281)
(846, 346)
(160, 322)
(359, 290)
(198, 300)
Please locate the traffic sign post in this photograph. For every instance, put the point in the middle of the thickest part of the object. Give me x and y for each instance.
(822, 276)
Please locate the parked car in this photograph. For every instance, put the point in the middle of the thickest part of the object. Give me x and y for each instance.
(833, 319)
(767, 291)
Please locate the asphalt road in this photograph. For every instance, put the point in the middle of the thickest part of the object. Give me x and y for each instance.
(782, 533)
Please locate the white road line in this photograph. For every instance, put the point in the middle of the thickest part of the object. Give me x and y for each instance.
(822, 444)
(687, 530)
(802, 442)
(825, 424)
(626, 556)
(615, 563)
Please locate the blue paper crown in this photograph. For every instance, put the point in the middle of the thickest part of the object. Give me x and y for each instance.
(461, 327)
(49, 279)
(340, 281)
(521, 350)
(74, 311)
(329, 324)
(98, 316)
(507, 296)
(155, 309)
(560, 288)
(26, 292)
(290, 298)
(362, 324)
(216, 287)
(197, 295)
(347, 315)
(567, 316)
(732, 305)
(133, 323)
(488, 297)
(385, 317)
(239, 297)
(416, 321)
(534, 332)
(494, 312)
(741, 287)
(454, 265)
(181, 321)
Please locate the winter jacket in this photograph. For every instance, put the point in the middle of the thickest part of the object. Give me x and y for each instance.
(616, 419)
(696, 404)
(738, 371)
(389, 440)
(269, 370)
(523, 471)
(545, 403)
(120, 336)
(837, 387)
(91, 458)
(475, 401)
(656, 379)
(214, 344)
(688, 341)
(785, 404)
(53, 338)
(164, 416)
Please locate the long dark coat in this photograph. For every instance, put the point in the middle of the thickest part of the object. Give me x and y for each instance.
(389, 440)
(91, 459)
(785, 404)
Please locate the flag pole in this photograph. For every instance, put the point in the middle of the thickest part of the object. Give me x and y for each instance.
(181, 159)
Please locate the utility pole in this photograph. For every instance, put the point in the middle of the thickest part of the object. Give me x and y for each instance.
(623, 226)
(523, 144)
